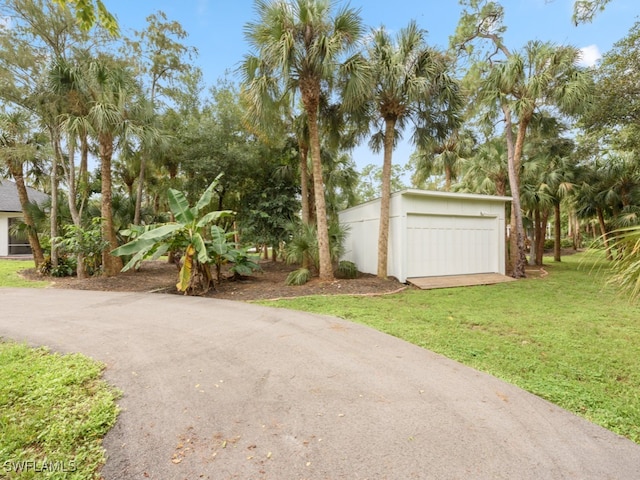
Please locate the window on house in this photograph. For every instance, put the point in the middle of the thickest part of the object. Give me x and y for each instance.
(18, 241)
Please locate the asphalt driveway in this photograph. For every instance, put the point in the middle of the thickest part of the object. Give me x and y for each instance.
(220, 390)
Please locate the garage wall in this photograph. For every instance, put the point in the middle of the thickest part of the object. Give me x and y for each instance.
(451, 245)
(431, 234)
(361, 244)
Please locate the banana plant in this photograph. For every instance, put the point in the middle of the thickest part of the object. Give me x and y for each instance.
(193, 235)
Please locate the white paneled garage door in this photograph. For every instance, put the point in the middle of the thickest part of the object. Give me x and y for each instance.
(451, 245)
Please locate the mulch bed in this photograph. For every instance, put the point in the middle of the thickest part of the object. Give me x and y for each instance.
(269, 283)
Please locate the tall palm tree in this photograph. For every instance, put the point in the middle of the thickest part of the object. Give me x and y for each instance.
(298, 45)
(112, 91)
(408, 83)
(542, 75)
(18, 145)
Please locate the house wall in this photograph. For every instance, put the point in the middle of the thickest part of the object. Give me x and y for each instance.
(466, 230)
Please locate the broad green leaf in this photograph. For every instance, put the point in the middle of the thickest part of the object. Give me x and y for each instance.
(180, 206)
(162, 249)
(205, 198)
(201, 248)
(146, 240)
(135, 260)
(219, 240)
(214, 216)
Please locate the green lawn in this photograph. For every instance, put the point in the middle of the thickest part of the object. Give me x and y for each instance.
(9, 274)
(565, 337)
(54, 411)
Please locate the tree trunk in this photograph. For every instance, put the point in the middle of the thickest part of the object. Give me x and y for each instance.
(533, 241)
(557, 233)
(304, 183)
(111, 265)
(324, 253)
(603, 230)
(447, 178)
(23, 196)
(83, 173)
(518, 254)
(385, 198)
(544, 220)
(304, 193)
(139, 193)
(53, 215)
(76, 215)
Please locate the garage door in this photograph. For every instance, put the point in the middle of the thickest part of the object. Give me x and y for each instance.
(451, 245)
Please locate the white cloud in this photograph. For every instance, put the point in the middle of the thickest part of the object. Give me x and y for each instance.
(590, 55)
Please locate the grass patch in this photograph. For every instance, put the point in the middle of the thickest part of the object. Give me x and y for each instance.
(9, 274)
(54, 411)
(567, 337)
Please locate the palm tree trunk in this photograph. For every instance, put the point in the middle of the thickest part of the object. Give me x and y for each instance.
(136, 215)
(385, 198)
(304, 183)
(111, 265)
(34, 241)
(447, 178)
(544, 220)
(53, 217)
(304, 193)
(324, 253)
(603, 231)
(518, 255)
(557, 233)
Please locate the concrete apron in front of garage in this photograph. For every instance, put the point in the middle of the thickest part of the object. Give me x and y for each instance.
(449, 281)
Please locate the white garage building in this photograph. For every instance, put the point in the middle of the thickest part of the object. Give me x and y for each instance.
(430, 234)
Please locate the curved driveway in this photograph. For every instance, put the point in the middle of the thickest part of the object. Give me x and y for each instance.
(220, 390)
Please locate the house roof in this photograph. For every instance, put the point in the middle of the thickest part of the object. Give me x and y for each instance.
(9, 201)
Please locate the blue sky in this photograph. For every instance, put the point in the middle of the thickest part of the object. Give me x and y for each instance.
(215, 28)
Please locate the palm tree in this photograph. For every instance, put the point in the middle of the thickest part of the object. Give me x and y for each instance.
(298, 45)
(539, 76)
(445, 157)
(112, 90)
(408, 83)
(18, 145)
(486, 171)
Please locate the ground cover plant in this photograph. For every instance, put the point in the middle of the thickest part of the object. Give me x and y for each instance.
(9, 276)
(567, 337)
(54, 410)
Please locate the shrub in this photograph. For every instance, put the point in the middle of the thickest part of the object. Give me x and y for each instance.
(66, 267)
(298, 277)
(346, 269)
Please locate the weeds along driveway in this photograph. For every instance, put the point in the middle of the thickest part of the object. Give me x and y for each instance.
(216, 389)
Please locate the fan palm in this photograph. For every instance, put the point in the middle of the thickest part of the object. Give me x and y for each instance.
(408, 83)
(298, 45)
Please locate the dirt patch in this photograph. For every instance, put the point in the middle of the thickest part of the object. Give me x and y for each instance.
(269, 283)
